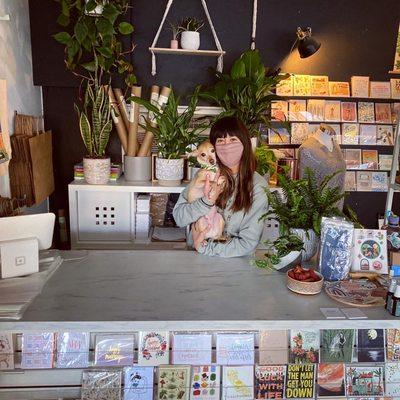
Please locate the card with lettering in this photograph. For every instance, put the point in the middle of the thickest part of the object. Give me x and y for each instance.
(37, 350)
(332, 111)
(205, 383)
(101, 385)
(238, 382)
(330, 381)
(192, 349)
(371, 345)
(383, 114)
(153, 348)
(73, 350)
(138, 383)
(364, 381)
(337, 345)
(173, 382)
(304, 346)
(114, 350)
(270, 381)
(235, 349)
(300, 379)
(274, 347)
(360, 86)
(6, 351)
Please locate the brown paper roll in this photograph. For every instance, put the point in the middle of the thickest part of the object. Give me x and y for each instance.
(148, 137)
(133, 144)
(121, 130)
(119, 96)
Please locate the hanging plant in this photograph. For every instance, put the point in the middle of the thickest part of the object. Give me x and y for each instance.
(93, 37)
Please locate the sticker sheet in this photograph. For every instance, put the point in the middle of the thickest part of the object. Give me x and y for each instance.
(205, 384)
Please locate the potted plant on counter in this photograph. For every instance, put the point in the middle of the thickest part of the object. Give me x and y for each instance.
(174, 135)
(300, 209)
(190, 36)
(246, 92)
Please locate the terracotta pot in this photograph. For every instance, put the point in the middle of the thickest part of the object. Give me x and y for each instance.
(190, 40)
(169, 172)
(310, 240)
(174, 44)
(96, 170)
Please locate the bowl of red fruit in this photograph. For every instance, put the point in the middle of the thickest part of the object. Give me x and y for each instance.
(304, 281)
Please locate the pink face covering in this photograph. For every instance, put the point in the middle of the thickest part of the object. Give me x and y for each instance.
(230, 154)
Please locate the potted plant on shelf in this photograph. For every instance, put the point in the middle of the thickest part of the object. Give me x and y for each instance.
(174, 135)
(95, 125)
(300, 209)
(246, 92)
(190, 36)
(176, 30)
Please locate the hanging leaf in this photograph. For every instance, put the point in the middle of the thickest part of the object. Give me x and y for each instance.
(80, 31)
(104, 26)
(110, 12)
(63, 20)
(125, 28)
(62, 37)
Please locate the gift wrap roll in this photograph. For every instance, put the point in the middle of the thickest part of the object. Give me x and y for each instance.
(133, 144)
(119, 96)
(119, 124)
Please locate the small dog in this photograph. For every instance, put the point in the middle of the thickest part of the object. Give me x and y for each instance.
(206, 157)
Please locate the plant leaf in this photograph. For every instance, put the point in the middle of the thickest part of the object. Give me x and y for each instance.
(125, 28)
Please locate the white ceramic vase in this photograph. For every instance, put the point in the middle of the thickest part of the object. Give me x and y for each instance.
(169, 172)
(190, 40)
(310, 240)
(96, 170)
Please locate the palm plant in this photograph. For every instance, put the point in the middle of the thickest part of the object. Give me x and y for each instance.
(246, 92)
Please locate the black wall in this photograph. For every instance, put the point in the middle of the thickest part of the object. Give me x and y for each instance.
(358, 38)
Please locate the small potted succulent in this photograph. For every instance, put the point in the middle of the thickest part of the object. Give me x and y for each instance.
(176, 30)
(174, 135)
(190, 36)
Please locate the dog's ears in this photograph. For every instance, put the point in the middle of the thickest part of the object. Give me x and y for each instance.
(193, 153)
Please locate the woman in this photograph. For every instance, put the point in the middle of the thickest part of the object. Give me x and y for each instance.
(240, 197)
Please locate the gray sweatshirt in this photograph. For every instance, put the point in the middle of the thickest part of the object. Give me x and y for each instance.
(243, 230)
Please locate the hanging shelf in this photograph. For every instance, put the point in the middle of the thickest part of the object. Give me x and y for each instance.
(184, 52)
(397, 72)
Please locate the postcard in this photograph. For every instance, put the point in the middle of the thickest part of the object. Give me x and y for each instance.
(270, 381)
(350, 184)
(300, 381)
(316, 110)
(274, 347)
(37, 350)
(304, 346)
(73, 349)
(380, 182)
(352, 158)
(368, 134)
(301, 85)
(364, 181)
(339, 89)
(360, 86)
(330, 381)
(138, 383)
(369, 159)
(285, 87)
(350, 133)
(364, 381)
(238, 382)
(278, 136)
(205, 382)
(279, 110)
(379, 90)
(385, 162)
(6, 351)
(101, 385)
(173, 382)
(319, 85)
(337, 345)
(370, 345)
(299, 132)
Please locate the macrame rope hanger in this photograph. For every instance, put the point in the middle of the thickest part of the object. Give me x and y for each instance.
(254, 29)
(217, 42)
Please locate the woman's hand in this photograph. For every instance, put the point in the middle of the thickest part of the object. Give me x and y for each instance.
(212, 189)
(199, 234)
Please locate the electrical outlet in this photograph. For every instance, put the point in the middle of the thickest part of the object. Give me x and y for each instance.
(19, 261)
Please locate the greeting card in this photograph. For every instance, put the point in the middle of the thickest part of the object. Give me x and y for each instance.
(349, 111)
(319, 85)
(114, 350)
(279, 110)
(315, 110)
(173, 382)
(352, 158)
(393, 344)
(37, 350)
(364, 181)
(379, 90)
(332, 111)
(205, 383)
(370, 251)
(369, 159)
(379, 181)
(395, 88)
(339, 89)
(285, 87)
(153, 348)
(304, 346)
(338, 133)
(366, 111)
(270, 381)
(297, 110)
(301, 85)
(300, 381)
(364, 381)
(360, 86)
(73, 349)
(6, 351)
(384, 135)
(273, 347)
(330, 381)
(337, 345)
(235, 349)
(385, 162)
(383, 113)
(138, 383)
(278, 136)
(350, 133)
(238, 382)
(370, 345)
(395, 112)
(299, 132)
(350, 181)
(368, 134)
(192, 349)
(392, 372)
(101, 385)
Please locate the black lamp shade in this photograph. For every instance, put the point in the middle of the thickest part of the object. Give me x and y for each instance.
(307, 46)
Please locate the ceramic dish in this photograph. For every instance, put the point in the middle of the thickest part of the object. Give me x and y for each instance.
(307, 288)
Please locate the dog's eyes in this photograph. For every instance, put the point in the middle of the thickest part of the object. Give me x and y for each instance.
(203, 154)
(212, 151)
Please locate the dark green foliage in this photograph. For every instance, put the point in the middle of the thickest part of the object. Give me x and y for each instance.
(266, 160)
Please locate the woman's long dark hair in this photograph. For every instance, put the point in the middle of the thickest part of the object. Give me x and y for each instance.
(244, 196)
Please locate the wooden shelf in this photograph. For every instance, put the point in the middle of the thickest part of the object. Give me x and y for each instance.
(397, 72)
(341, 98)
(184, 52)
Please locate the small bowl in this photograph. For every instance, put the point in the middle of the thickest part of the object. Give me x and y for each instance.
(307, 288)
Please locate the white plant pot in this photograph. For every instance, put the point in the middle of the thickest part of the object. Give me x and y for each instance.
(96, 170)
(289, 261)
(169, 172)
(311, 243)
(190, 40)
(254, 142)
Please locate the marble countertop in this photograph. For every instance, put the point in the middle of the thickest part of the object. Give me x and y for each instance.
(175, 290)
